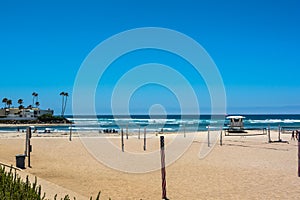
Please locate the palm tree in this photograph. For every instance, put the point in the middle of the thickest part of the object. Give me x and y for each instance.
(66, 98)
(4, 100)
(20, 101)
(9, 103)
(37, 104)
(34, 97)
(64, 102)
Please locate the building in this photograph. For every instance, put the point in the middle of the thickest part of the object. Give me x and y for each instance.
(23, 114)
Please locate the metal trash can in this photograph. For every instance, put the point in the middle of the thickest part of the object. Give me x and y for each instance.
(20, 161)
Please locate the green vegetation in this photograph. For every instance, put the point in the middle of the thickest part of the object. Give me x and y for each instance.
(48, 118)
(13, 188)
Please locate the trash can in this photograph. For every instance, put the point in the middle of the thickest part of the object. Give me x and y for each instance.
(20, 161)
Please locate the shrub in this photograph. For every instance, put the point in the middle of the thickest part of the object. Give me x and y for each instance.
(13, 188)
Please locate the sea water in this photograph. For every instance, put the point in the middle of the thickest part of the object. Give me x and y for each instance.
(170, 123)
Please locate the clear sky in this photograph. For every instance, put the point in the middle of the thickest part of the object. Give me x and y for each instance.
(255, 45)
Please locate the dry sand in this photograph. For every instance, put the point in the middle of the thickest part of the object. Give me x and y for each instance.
(243, 168)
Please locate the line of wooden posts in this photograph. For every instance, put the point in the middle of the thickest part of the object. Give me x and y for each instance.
(280, 140)
(208, 136)
(184, 134)
(208, 139)
(162, 153)
(28, 149)
(139, 137)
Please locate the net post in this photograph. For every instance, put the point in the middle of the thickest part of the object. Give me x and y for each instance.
(70, 136)
(139, 136)
(145, 139)
(208, 144)
(221, 142)
(279, 130)
(298, 156)
(127, 132)
(29, 147)
(163, 169)
(269, 134)
(122, 140)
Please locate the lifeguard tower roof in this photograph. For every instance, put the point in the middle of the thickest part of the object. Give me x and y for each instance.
(235, 117)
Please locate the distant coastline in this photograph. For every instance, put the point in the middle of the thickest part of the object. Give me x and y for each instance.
(41, 120)
(33, 124)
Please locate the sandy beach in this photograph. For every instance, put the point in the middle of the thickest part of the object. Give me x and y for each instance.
(242, 168)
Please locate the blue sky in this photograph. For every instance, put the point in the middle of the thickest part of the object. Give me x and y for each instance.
(255, 45)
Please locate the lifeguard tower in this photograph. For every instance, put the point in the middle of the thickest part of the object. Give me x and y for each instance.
(236, 123)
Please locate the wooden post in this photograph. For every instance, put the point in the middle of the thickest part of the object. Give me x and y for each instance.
(122, 140)
(221, 137)
(145, 139)
(184, 135)
(163, 169)
(269, 134)
(70, 137)
(298, 156)
(127, 132)
(279, 130)
(26, 143)
(139, 136)
(29, 147)
(208, 137)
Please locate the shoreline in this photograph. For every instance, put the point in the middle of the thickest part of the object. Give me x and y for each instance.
(33, 124)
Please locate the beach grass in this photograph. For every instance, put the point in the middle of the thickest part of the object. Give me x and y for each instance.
(12, 187)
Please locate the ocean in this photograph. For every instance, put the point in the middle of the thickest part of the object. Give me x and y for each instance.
(171, 123)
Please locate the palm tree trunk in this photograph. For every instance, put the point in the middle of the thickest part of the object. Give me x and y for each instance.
(65, 105)
(62, 105)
